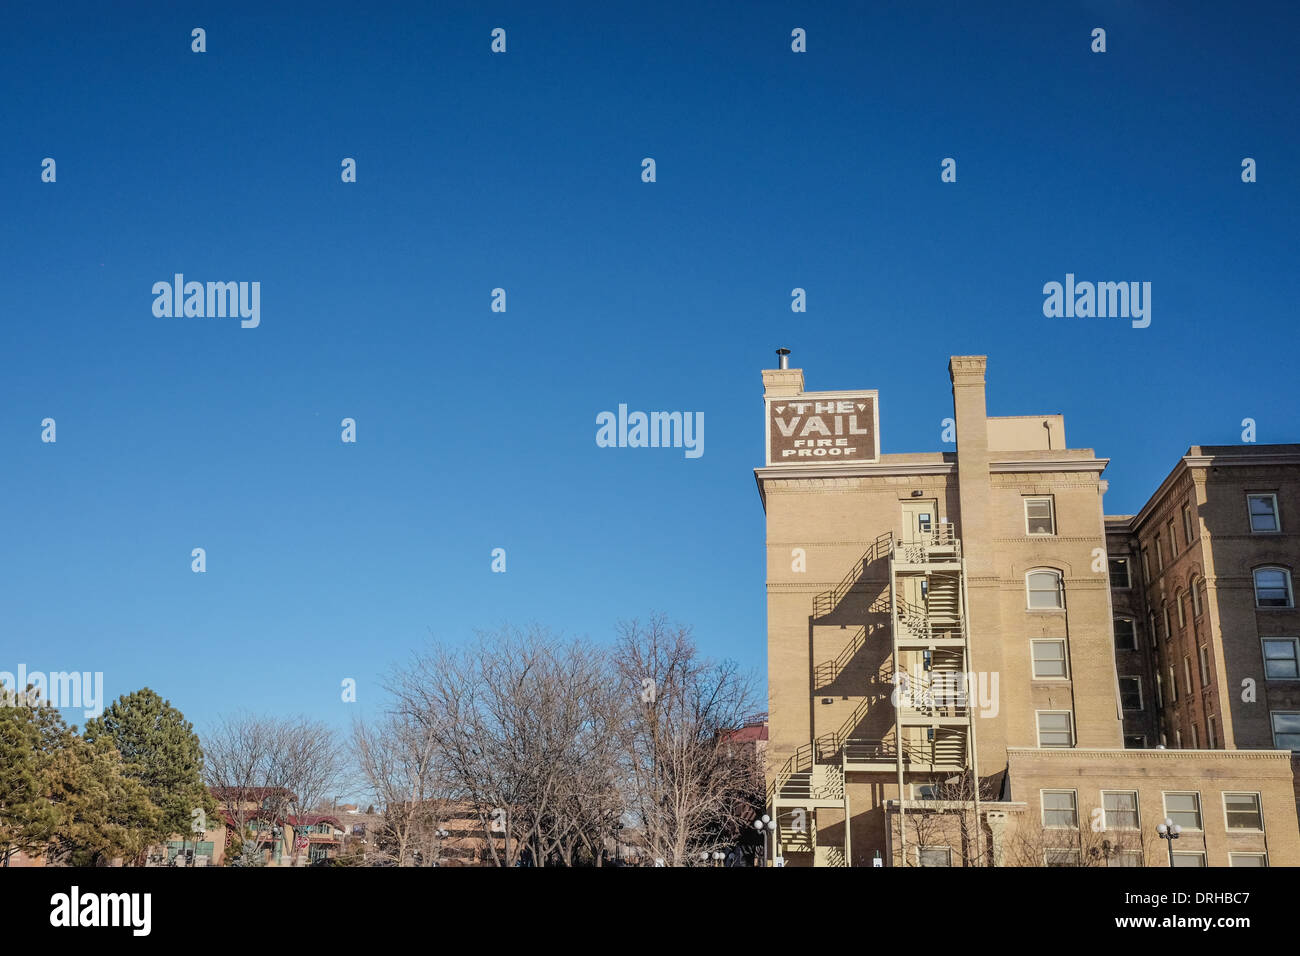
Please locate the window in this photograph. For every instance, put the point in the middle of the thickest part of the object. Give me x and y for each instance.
(1184, 809)
(1212, 729)
(1178, 739)
(1160, 555)
(1187, 524)
(1173, 685)
(1243, 811)
(1286, 729)
(1039, 517)
(1045, 590)
(1197, 584)
(1130, 693)
(1173, 539)
(1187, 674)
(1120, 809)
(1135, 742)
(1061, 857)
(1181, 602)
(1272, 587)
(1125, 634)
(1263, 514)
(1204, 655)
(1189, 859)
(1146, 566)
(1119, 576)
(1281, 658)
(1247, 859)
(1125, 858)
(1056, 728)
(1049, 659)
(1164, 610)
(1160, 697)
(1060, 808)
(934, 856)
(1196, 737)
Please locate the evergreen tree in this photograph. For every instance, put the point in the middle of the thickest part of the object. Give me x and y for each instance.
(27, 817)
(159, 749)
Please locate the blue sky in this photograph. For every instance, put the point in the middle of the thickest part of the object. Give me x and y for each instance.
(476, 429)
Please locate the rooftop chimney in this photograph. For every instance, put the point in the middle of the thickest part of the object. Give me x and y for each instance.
(783, 357)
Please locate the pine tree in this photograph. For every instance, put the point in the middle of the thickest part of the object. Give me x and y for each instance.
(27, 817)
(159, 749)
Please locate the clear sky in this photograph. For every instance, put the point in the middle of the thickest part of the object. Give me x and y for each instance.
(475, 429)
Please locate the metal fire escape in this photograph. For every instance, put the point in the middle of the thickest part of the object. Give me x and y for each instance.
(933, 731)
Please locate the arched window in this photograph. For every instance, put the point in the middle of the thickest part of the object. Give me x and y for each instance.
(1046, 590)
(1180, 600)
(1197, 584)
(1273, 587)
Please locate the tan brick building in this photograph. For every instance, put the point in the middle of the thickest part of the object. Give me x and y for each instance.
(940, 618)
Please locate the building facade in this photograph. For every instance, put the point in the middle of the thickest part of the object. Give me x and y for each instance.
(951, 675)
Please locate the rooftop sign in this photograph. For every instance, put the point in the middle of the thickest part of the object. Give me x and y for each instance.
(823, 428)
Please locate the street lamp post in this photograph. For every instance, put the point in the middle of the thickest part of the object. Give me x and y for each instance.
(765, 825)
(1169, 831)
(718, 857)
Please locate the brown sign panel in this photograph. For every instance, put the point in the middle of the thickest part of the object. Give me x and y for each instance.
(823, 428)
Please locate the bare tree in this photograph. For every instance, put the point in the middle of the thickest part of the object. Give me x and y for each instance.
(526, 725)
(688, 791)
(398, 759)
(273, 769)
(947, 817)
(236, 754)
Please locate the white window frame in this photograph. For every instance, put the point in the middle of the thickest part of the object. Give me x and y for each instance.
(1211, 728)
(1164, 612)
(1180, 602)
(1200, 854)
(1196, 736)
(1286, 576)
(1060, 590)
(1200, 810)
(1173, 684)
(1187, 524)
(1254, 856)
(1137, 811)
(1198, 606)
(1173, 538)
(1073, 851)
(931, 849)
(1136, 855)
(1250, 517)
(1139, 707)
(1187, 676)
(1042, 809)
(1203, 662)
(1146, 565)
(1051, 515)
(1295, 655)
(1160, 555)
(1065, 659)
(1038, 727)
(1259, 805)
